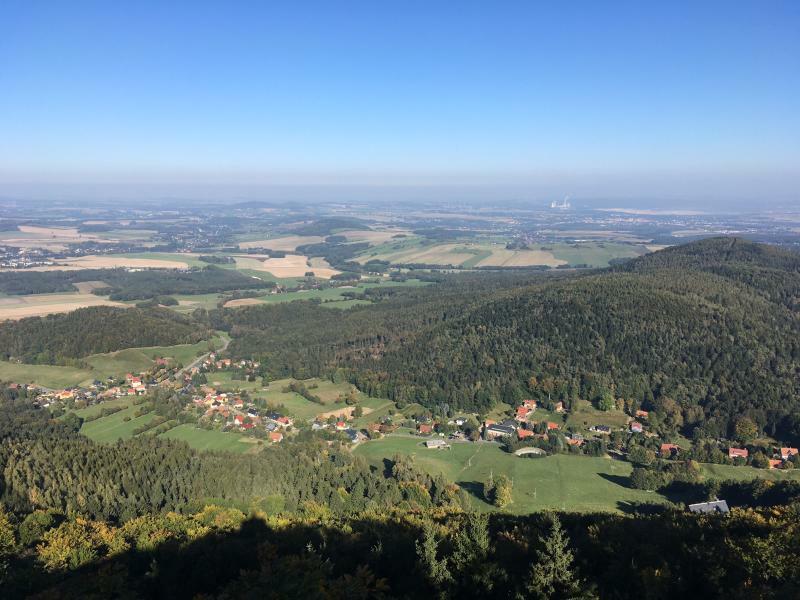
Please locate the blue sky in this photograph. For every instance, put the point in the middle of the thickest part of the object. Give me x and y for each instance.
(672, 99)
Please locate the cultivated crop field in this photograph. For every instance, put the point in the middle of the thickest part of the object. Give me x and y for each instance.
(37, 305)
(493, 253)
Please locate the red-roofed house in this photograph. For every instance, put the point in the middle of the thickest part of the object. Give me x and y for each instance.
(341, 426)
(530, 403)
(424, 429)
(551, 426)
(738, 453)
(275, 436)
(642, 414)
(787, 453)
(669, 449)
(239, 420)
(524, 433)
(636, 427)
(574, 442)
(774, 463)
(522, 414)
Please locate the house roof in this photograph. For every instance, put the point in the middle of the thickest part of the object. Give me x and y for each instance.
(504, 429)
(715, 506)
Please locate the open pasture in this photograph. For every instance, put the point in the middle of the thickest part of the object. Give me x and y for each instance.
(204, 439)
(114, 427)
(44, 375)
(560, 482)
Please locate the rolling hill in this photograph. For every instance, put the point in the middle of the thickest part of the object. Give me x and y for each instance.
(704, 333)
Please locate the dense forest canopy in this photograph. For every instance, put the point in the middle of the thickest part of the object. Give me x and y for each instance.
(46, 464)
(711, 327)
(62, 338)
(131, 285)
(308, 519)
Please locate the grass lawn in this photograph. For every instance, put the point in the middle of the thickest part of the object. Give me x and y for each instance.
(563, 482)
(585, 415)
(203, 439)
(114, 427)
(44, 375)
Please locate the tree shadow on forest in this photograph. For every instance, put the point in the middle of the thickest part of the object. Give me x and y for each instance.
(287, 561)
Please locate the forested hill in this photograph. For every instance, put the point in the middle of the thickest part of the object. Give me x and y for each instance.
(62, 338)
(771, 271)
(702, 333)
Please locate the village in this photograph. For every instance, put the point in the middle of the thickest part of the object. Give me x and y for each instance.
(527, 429)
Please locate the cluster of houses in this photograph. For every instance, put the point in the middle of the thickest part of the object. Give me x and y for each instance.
(99, 391)
(239, 415)
(214, 363)
(779, 458)
(523, 426)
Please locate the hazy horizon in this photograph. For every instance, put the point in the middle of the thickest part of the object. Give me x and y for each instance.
(685, 104)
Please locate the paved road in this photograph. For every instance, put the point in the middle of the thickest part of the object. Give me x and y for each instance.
(202, 357)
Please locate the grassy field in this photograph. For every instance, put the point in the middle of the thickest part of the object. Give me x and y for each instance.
(222, 381)
(585, 415)
(44, 375)
(300, 408)
(95, 409)
(132, 360)
(596, 254)
(563, 482)
(114, 427)
(202, 439)
(334, 297)
(745, 473)
(486, 251)
(116, 364)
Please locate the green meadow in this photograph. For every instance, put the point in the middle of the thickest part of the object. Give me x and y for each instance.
(114, 427)
(100, 366)
(203, 439)
(44, 375)
(559, 482)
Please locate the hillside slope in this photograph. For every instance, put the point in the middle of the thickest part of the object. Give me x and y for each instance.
(63, 338)
(710, 330)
